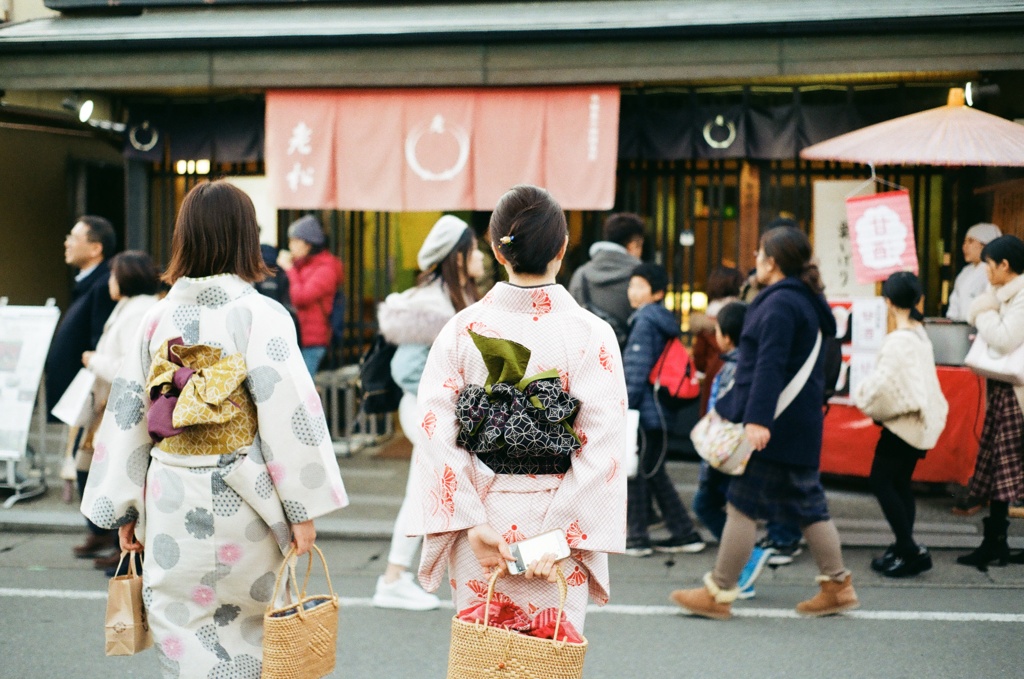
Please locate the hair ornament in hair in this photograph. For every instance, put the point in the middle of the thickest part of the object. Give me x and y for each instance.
(506, 240)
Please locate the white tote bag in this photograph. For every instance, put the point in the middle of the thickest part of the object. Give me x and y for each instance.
(987, 362)
(75, 407)
(724, 444)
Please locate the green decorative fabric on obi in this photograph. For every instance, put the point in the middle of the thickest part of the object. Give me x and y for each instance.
(513, 423)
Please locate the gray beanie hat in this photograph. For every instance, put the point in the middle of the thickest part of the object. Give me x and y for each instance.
(441, 240)
(307, 228)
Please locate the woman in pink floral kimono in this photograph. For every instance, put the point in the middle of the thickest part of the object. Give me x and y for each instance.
(476, 504)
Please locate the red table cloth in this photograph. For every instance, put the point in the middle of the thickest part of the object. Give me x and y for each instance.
(848, 443)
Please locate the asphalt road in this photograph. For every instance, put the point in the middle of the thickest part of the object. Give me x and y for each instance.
(953, 622)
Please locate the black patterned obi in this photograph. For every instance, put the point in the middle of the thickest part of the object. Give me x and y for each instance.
(517, 425)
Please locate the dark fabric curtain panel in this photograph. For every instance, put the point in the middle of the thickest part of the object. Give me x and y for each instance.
(674, 127)
(226, 132)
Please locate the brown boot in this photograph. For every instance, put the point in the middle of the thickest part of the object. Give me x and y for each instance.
(93, 546)
(709, 601)
(834, 597)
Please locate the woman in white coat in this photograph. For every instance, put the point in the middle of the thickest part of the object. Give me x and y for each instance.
(903, 395)
(450, 263)
(998, 314)
(133, 283)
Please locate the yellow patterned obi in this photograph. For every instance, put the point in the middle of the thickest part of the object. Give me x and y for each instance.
(199, 402)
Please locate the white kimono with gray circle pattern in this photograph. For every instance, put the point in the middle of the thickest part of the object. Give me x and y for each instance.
(215, 526)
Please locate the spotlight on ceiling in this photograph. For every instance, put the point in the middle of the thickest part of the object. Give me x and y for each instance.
(83, 107)
(977, 90)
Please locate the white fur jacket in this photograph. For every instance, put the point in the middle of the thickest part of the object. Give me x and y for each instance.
(998, 314)
(412, 320)
(903, 391)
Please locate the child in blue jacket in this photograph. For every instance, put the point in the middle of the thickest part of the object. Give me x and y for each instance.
(652, 326)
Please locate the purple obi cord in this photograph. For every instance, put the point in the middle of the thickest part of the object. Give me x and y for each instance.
(161, 410)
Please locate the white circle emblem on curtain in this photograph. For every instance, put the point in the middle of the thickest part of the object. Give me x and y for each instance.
(437, 126)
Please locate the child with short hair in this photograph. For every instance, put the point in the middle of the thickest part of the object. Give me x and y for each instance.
(652, 326)
(709, 500)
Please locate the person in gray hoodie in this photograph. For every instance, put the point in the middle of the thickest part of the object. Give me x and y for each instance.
(600, 285)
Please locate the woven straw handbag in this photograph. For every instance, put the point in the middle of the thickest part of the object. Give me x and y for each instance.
(300, 639)
(480, 651)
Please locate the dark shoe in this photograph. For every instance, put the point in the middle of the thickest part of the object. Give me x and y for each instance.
(880, 563)
(638, 547)
(901, 567)
(993, 548)
(691, 544)
(105, 562)
(93, 546)
(781, 555)
(969, 505)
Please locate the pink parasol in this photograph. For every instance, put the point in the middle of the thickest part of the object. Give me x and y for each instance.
(953, 134)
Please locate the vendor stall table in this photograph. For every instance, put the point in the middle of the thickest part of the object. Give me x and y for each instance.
(848, 443)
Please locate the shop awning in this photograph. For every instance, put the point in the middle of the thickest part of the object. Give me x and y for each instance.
(440, 149)
(220, 23)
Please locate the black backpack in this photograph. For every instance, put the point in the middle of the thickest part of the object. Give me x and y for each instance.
(378, 390)
(621, 329)
(832, 348)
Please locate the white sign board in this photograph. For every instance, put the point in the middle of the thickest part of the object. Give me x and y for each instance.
(862, 363)
(25, 334)
(870, 320)
(832, 244)
(266, 214)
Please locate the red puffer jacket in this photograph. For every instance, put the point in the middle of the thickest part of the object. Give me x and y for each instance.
(312, 284)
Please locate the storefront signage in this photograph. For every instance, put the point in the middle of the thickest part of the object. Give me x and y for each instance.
(882, 232)
(458, 149)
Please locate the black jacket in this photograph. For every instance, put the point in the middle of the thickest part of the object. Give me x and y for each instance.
(79, 331)
(778, 334)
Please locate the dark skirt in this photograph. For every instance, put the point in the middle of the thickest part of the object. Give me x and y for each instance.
(773, 491)
(999, 471)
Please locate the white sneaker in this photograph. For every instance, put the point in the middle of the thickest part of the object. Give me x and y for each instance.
(403, 593)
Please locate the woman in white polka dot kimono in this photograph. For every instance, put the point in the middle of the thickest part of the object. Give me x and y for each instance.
(213, 452)
(487, 478)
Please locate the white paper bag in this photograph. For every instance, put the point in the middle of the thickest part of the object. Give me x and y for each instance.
(631, 463)
(75, 407)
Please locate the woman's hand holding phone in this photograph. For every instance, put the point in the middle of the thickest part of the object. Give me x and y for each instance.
(489, 547)
(543, 567)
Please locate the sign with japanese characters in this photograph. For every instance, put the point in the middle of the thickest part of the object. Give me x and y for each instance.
(869, 323)
(457, 149)
(882, 232)
(833, 247)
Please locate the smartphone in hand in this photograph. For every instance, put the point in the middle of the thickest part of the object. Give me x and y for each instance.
(527, 551)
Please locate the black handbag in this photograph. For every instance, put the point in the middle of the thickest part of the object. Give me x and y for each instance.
(379, 393)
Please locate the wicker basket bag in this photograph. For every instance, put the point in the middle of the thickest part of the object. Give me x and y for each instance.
(300, 639)
(480, 651)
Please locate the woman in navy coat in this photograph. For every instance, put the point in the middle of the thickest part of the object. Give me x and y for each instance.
(781, 482)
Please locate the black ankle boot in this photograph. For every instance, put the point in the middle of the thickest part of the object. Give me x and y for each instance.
(993, 547)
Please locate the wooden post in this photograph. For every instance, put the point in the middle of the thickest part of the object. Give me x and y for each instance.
(750, 215)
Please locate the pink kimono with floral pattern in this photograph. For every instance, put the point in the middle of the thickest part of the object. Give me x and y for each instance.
(459, 492)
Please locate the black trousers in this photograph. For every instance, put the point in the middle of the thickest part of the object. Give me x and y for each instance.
(658, 487)
(893, 466)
